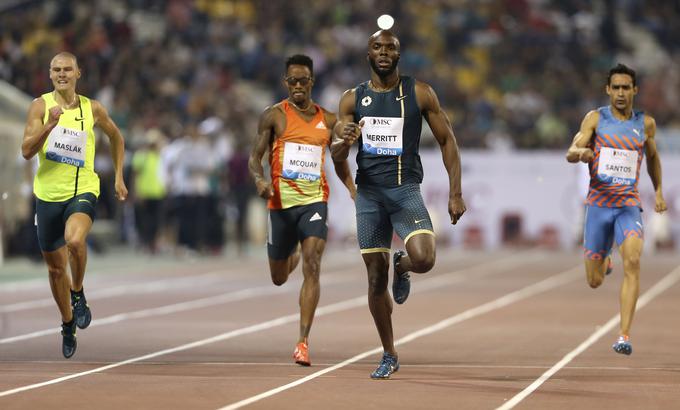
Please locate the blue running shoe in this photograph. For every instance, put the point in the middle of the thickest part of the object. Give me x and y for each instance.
(623, 346)
(388, 365)
(401, 282)
(69, 342)
(81, 310)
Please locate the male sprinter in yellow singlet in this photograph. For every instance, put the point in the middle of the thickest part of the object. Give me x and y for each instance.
(296, 132)
(386, 114)
(59, 129)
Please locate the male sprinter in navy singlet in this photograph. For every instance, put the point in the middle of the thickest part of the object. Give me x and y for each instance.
(385, 115)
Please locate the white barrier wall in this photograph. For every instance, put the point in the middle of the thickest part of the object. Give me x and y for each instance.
(540, 187)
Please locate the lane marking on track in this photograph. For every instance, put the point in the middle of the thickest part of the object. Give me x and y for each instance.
(122, 290)
(176, 308)
(526, 292)
(168, 283)
(135, 288)
(480, 270)
(456, 276)
(669, 280)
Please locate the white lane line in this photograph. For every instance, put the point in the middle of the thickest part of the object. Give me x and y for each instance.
(662, 285)
(483, 269)
(164, 284)
(526, 292)
(324, 310)
(180, 307)
(131, 289)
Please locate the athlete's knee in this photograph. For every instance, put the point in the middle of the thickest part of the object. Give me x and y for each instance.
(594, 281)
(631, 262)
(56, 272)
(75, 244)
(311, 264)
(377, 284)
(279, 279)
(422, 260)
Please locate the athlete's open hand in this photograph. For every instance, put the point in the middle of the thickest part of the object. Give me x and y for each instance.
(264, 189)
(456, 208)
(351, 132)
(586, 155)
(660, 205)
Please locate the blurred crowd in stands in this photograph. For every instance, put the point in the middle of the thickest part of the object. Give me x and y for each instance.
(186, 79)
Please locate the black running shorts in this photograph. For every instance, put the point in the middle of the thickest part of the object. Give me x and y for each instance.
(51, 217)
(287, 227)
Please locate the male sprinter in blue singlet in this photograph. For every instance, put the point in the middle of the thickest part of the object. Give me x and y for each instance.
(612, 141)
(60, 130)
(385, 114)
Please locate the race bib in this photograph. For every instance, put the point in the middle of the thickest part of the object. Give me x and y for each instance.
(302, 161)
(66, 146)
(617, 166)
(383, 135)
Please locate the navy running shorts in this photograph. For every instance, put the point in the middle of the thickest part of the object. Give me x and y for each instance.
(380, 211)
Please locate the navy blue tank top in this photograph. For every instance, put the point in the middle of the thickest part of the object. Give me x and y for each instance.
(388, 146)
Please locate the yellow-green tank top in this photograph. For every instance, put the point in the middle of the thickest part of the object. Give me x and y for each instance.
(56, 182)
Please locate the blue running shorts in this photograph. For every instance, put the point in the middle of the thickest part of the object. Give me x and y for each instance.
(604, 225)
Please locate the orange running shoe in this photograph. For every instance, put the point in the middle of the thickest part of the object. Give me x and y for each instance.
(301, 354)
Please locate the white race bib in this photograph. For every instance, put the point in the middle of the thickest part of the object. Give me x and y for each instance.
(617, 166)
(383, 135)
(66, 146)
(302, 161)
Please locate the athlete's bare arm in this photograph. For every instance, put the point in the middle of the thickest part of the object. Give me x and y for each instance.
(266, 132)
(443, 132)
(346, 131)
(579, 149)
(341, 166)
(36, 132)
(104, 121)
(653, 162)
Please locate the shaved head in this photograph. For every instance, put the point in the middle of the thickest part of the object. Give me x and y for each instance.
(386, 34)
(67, 55)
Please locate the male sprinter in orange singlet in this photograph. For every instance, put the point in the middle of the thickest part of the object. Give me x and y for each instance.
(296, 132)
(612, 141)
(386, 114)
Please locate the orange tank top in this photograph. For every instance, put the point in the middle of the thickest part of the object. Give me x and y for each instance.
(297, 160)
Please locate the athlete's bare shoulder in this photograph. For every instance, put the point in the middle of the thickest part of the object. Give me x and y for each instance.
(272, 113)
(347, 105)
(650, 122)
(592, 117)
(425, 95)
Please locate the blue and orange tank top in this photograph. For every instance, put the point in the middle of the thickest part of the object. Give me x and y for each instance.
(388, 146)
(615, 169)
(297, 160)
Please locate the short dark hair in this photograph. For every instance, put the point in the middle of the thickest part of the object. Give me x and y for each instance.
(621, 69)
(300, 59)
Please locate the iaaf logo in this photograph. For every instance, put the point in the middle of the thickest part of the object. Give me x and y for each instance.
(381, 121)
